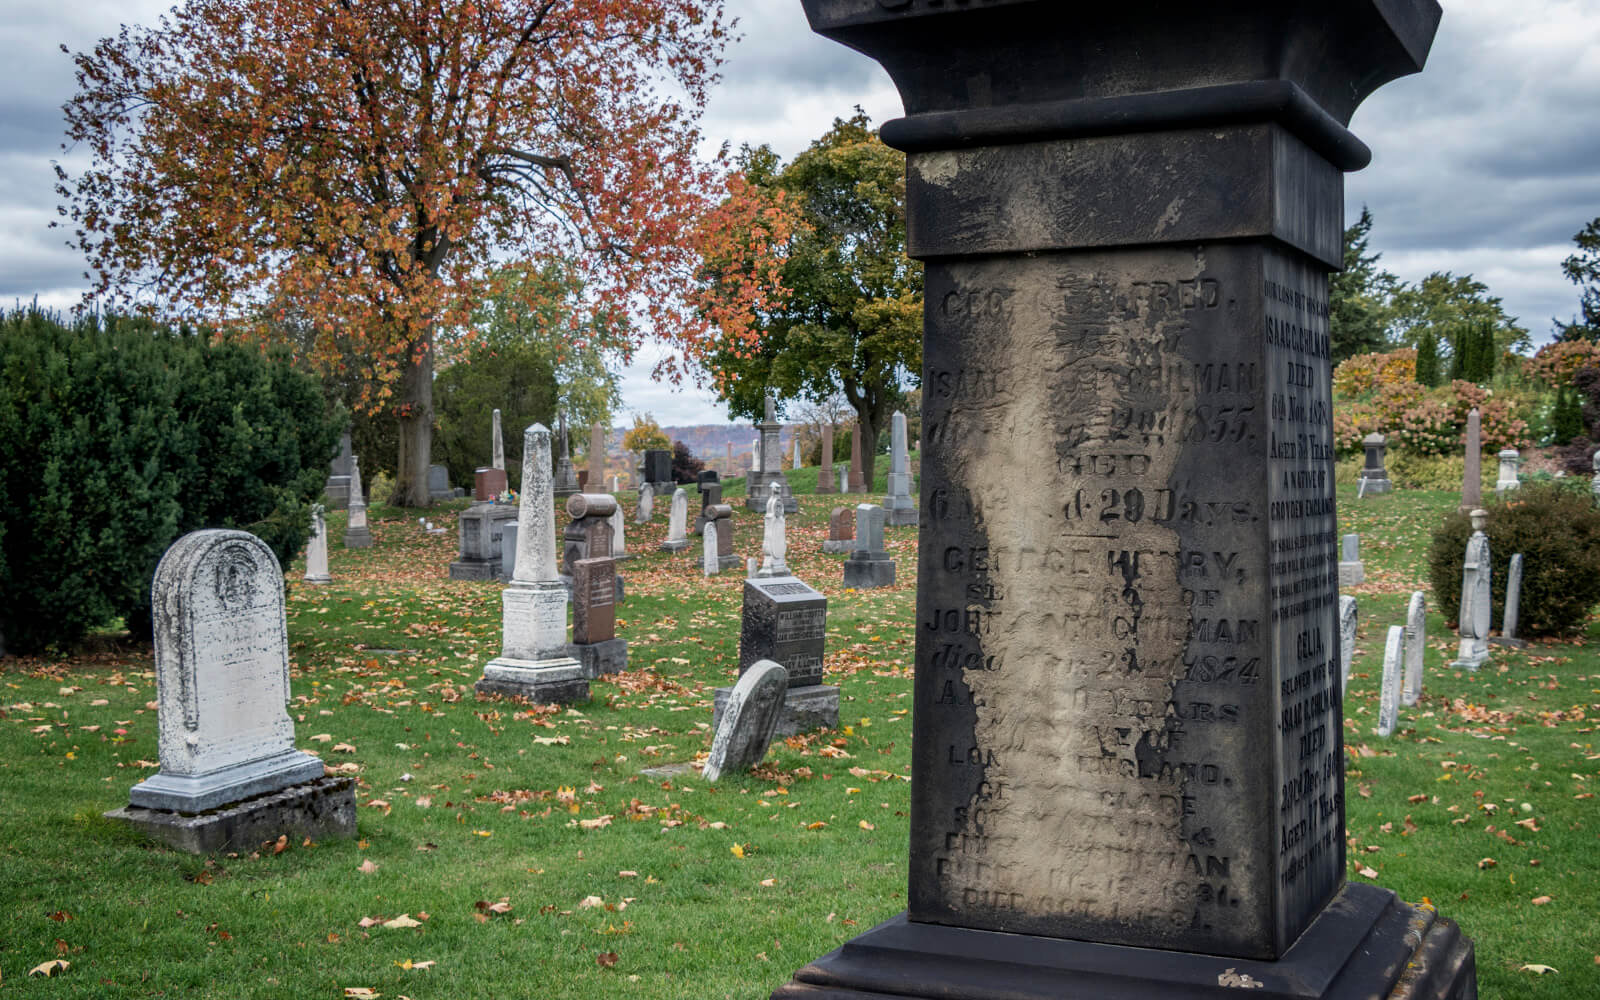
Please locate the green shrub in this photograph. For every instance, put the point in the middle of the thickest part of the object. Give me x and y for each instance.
(118, 437)
(1410, 471)
(1557, 529)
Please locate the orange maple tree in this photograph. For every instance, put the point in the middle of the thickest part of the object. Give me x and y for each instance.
(363, 163)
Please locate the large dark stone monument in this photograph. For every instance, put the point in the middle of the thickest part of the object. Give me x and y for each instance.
(1127, 762)
(785, 620)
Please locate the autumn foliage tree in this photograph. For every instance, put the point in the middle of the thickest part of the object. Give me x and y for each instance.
(363, 162)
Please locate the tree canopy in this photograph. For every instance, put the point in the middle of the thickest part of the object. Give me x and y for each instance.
(366, 162)
(1358, 296)
(1583, 270)
(847, 314)
(645, 435)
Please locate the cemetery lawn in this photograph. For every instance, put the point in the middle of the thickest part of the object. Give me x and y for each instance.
(508, 850)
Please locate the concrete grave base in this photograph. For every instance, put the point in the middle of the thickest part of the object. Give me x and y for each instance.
(815, 706)
(677, 546)
(901, 517)
(474, 569)
(842, 545)
(1366, 944)
(725, 563)
(540, 681)
(600, 658)
(358, 538)
(197, 793)
(317, 809)
(865, 571)
(1376, 486)
(1495, 640)
(665, 771)
(1352, 573)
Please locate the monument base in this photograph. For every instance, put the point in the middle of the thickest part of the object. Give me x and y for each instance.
(1366, 943)
(1470, 659)
(318, 578)
(835, 547)
(677, 546)
(1376, 486)
(599, 658)
(1497, 640)
(900, 512)
(475, 569)
(814, 706)
(197, 793)
(540, 681)
(336, 493)
(725, 563)
(358, 538)
(1352, 573)
(317, 809)
(868, 571)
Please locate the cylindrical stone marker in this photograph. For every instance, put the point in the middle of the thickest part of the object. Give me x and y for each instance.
(1128, 708)
(825, 476)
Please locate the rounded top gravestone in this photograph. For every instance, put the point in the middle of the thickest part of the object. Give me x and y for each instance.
(749, 720)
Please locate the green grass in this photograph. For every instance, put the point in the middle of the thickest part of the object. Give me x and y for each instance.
(507, 803)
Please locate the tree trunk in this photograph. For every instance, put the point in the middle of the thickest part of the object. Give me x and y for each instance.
(416, 426)
(869, 444)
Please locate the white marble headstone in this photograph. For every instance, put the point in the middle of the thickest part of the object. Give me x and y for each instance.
(647, 504)
(709, 561)
(1347, 638)
(678, 518)
(1416, 645)
(1473, 617)
(748, 721)
(1394, 651)
(317, 548)
(222, 676)
(619, 547)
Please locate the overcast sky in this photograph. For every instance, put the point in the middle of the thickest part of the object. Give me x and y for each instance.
(1487, 163)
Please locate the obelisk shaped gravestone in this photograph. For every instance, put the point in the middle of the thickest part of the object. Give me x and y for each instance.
(357, 535)
(1127, 707)
(497, 458)
(858, 483)
(597, 458)
(1472, 474)
(899, 506)
(825, 475)
(534, 662)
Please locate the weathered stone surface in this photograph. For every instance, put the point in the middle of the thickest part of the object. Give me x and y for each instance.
(1474, 623)
(774, 536)
(1348, 613)
(480, 529)
(497, 445)
(899, 506)
(710, 496)
(825, 471)
(1394, 651)
(487, 483)
(357, 535)
(439, 487)
(1374, 476)
(677, 523)
(647, 504)
(1351, 572)
(565, 483)
(841, 531)
(1506, 479)
(815, 706)
(588, 534)
(619, 528)
(534, 661)
(508, 551)
(320, 808)
(721, 520)
(769, 470)
(658, 469)
(1128, 726)
(1416, 646)
(1472, 476)
(748, 721)
(599, 659)
(222, 676)
(317, 548)
(594, 600)
(1513, 605)
(869, 567)
(858, 484)
(597, 457)
(336, 491)
(709, 563)
(784, 620)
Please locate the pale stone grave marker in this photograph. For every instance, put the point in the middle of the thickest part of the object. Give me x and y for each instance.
(1394, 651)
(317, 548)
(647, 504)
(869, 566)
(1506, 479)
(357, 535)
(222, 687)
(1475, 598)
(900, 508)
(1351, 572)
(748, 721)
(677, 523)
(1347, 639)
(1508, 626)
(1416, 646)
(774, 536)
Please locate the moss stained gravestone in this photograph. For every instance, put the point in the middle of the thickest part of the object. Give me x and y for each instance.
(230, 774)
(1128, 717)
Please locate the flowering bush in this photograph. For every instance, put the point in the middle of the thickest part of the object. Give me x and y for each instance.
(1500, 426)
(1392, 402)
(1351, 423)
(1464, 396)
(1367, 373)
(1556, 363)
(1428, 428)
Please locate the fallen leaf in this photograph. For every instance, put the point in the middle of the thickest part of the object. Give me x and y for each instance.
(866, 826)
(589, 901)
(595, 824)
(321, 738)
(769, 882)
(606, 959)
(816, 826)
(403, 920)
(1487, 863)
(343, 748)
(367, 867)
(282, 843)
(1366, 872)
(737, 850)
(1540, 900)
(50, 968)
(409, 964)
(1540, 969)
(360, 992)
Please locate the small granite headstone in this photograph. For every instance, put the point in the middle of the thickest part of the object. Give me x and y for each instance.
(785, 620)
(710, 496)
(721, 519)
(594, 618)
(844, 479)
(487, 483)
(508, 551)
(677, 522)
(1416, 646)
(658, 469)
(749, 720)
(479, 529)
(1374, 477)
(317, 548)
(841, 531)
(869, 566)
(1347, 639)
(588, 534)
(1394, 651)
(1351, 572)
(647, 504)
(1507, 479)
(439, 483)
(1508, 626)
(336, 491)
(1475, 602)
(356, 533)
(230, 775)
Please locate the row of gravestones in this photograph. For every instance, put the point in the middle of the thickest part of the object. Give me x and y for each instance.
(230, 774)
(1404, 644)
(1374, 477)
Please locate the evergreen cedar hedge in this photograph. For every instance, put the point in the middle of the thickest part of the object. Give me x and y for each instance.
(1557, 529)
(116, 438)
